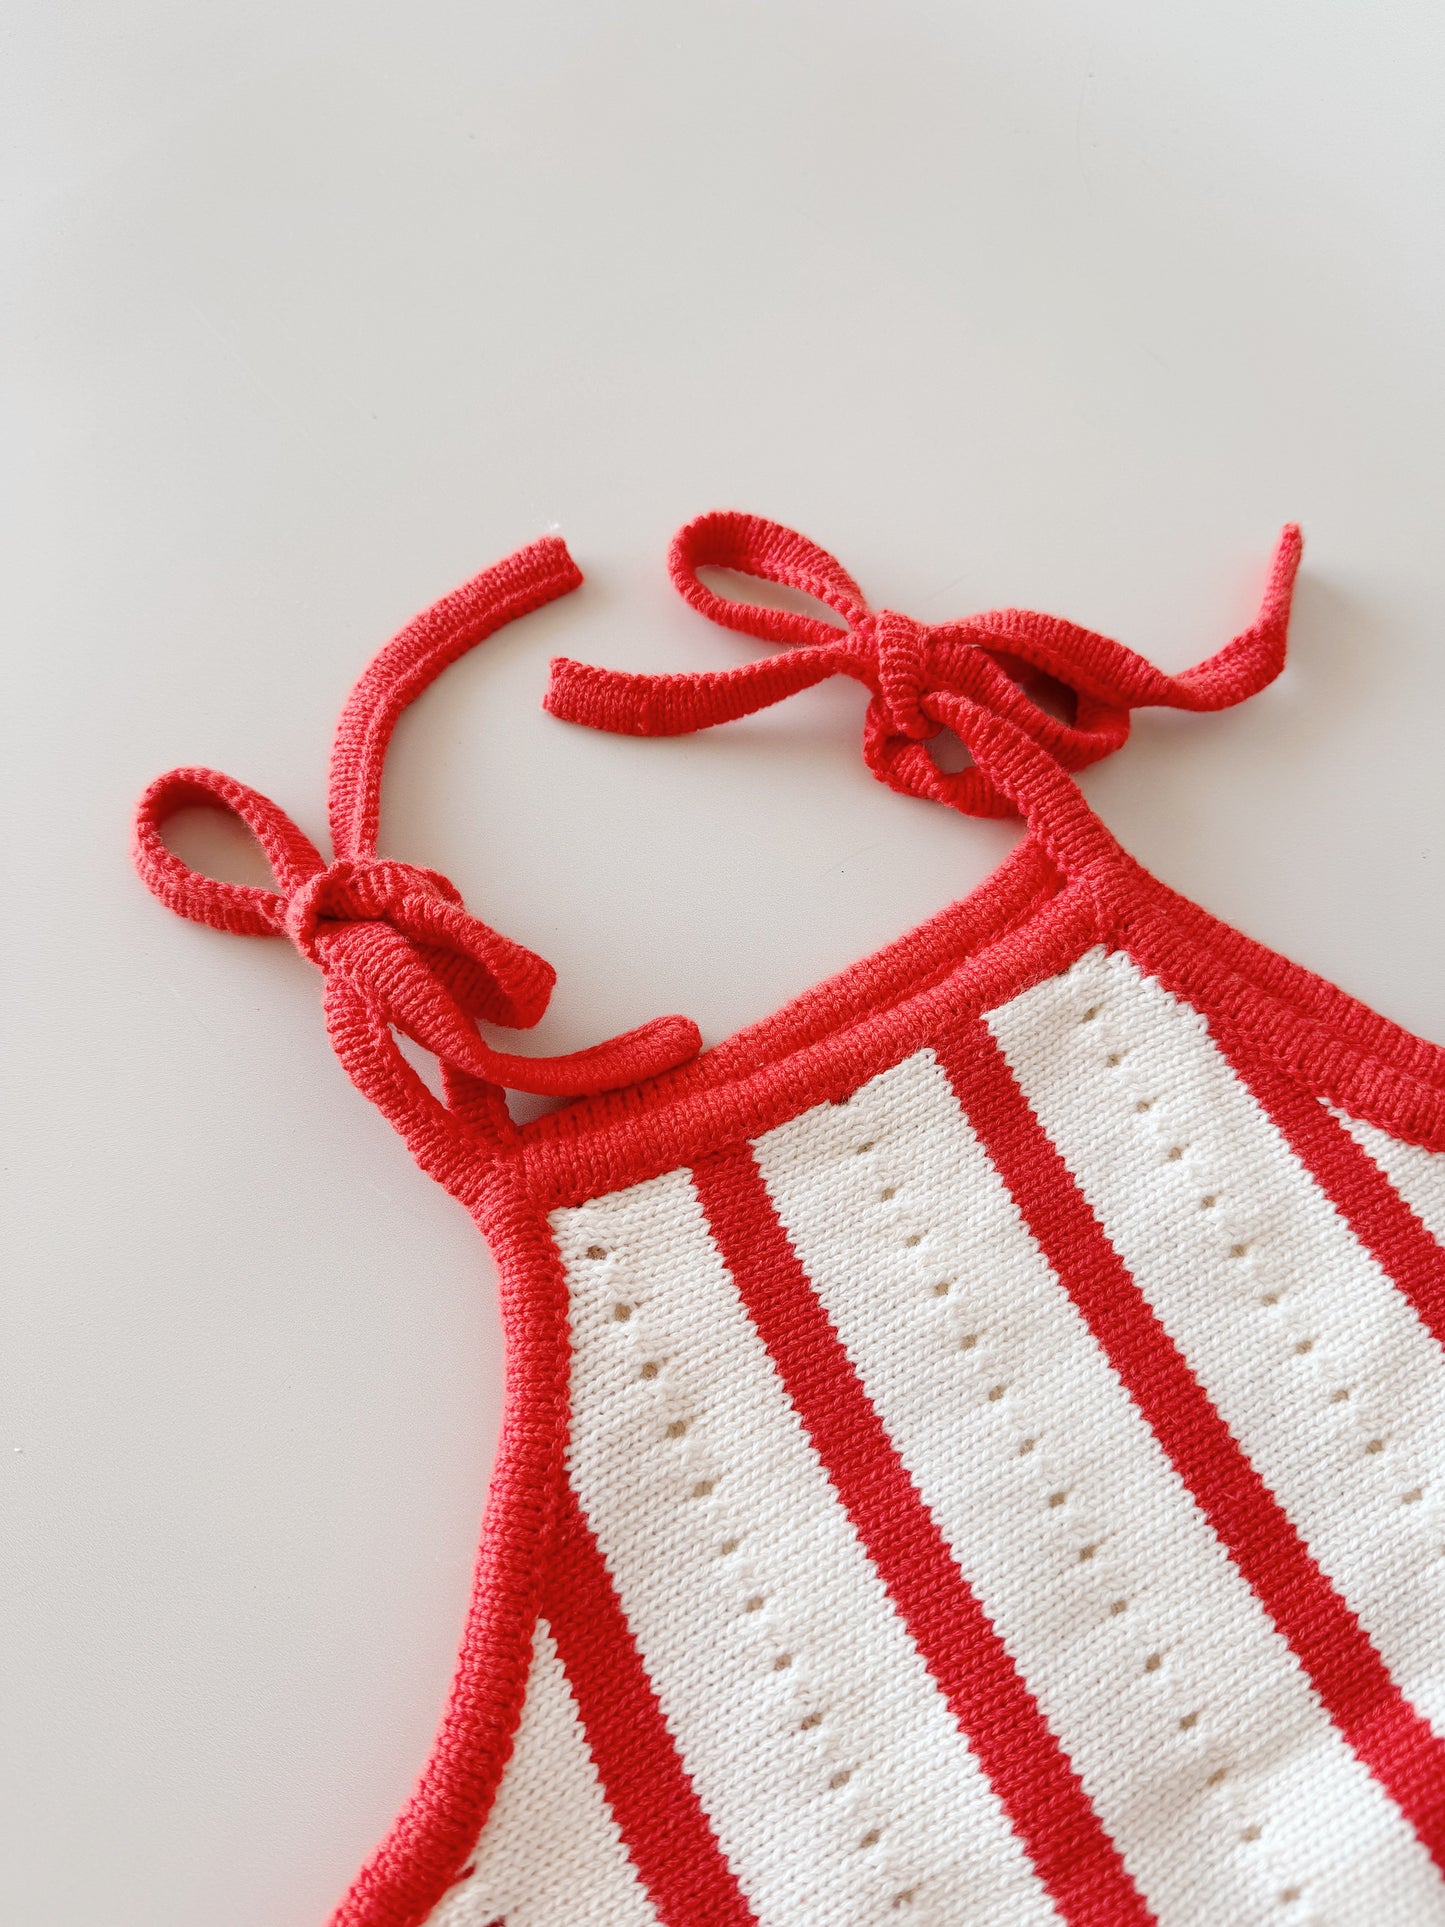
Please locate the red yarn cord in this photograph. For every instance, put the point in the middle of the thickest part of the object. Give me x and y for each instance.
(412, 660)
(397, 949)
(908, 667)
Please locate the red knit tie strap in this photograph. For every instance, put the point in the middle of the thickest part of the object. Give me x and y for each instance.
(393, 941)
(907, 666)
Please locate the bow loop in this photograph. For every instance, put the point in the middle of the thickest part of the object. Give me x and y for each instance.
(751, 545)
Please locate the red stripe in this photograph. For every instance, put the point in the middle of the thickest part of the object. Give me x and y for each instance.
(1389, 1736)
(1032, 1776)
(1356, 1186)
(658, 1814)
(1351, 1180)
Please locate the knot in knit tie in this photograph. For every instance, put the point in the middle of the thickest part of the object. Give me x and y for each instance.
(398, 950)
(968, 676)
(429, 968)
(898, 657)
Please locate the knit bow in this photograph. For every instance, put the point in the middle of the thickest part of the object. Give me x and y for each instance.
(393, 940)
(918, 674)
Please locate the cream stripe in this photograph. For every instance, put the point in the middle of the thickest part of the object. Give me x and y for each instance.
(825, 1757)
(886, 1198)
(1317, 1364)
(550, 1854)
(1417, 1174)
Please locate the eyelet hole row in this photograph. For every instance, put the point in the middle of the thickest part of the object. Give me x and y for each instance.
(781, 1662)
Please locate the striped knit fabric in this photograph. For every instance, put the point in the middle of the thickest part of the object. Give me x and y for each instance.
(975, 1451)
(1017, 1491)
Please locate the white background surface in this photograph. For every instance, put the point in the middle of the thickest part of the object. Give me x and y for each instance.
(312, 310)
